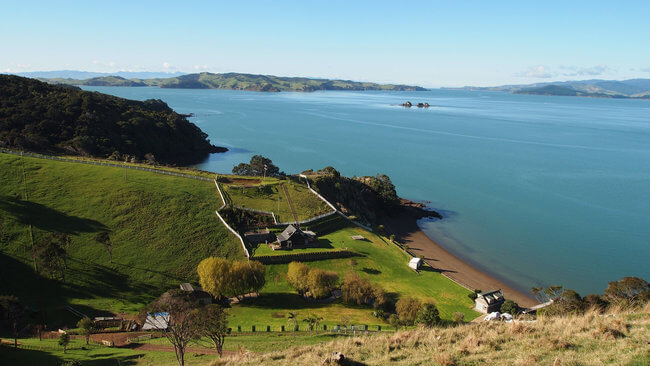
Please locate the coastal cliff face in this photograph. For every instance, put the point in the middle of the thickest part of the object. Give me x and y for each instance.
(370, 199)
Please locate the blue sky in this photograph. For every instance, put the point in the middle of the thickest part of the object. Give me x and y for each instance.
(429, 43)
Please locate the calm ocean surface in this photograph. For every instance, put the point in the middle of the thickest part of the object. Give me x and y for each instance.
(535, 190)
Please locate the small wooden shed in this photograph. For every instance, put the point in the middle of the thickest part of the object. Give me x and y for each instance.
(488, 302)
(415, 263)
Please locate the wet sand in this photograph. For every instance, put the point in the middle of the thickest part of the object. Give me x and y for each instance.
(406, 231)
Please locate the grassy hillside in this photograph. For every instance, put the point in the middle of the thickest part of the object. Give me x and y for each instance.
(161, 227)
(236, 81)
(590, 339)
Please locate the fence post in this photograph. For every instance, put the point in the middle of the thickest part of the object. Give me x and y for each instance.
(282, 328)
(239, 328)
(253, 329)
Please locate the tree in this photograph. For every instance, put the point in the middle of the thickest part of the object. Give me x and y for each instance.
(474, 294)
(320, 282)
(178, 320)
(566, 302)
(428, 315)
(86, 327)
(12, 312)
(407, 309)
(628, 291)
(103, 237)
(258, 166)
(313, 321)
(51, 254)
(215, 276)
(297, 276)
(64, 341)
(212, 322)
(595, 302)
(292, 319)
(357, 290)
(510, 307)
(392, 237)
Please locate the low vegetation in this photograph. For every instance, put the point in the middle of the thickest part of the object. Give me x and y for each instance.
(618, 337)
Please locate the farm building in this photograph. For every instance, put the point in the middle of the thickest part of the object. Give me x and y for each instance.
(415, 263)
(488, 302)
(292, 237)
(197, 293)
(157, 321)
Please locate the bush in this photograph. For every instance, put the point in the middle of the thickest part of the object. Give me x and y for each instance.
(458, 317)
(474, 294)
(315, 282)
(428, 315)
(510, 307)
(357, 290)
(407, 309)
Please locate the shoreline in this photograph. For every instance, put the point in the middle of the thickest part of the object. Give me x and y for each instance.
(407, 231)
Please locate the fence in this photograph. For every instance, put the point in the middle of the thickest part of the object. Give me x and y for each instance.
(303, 257)
(40, 156)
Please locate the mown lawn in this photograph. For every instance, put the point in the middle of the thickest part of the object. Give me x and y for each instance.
(161, 227)
(272, 198)
(378, 260)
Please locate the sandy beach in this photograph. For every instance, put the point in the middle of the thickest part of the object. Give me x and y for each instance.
(406, 231)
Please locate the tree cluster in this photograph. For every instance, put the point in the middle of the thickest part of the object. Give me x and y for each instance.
(258, 166)
(412, 311)
(364, 197)
(41, 117)
(222, 278)
(626, 292)
(50, 255)
(311, 282)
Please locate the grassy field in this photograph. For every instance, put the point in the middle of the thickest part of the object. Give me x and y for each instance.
(48, 352)
(590, 339)
(378, 260)
(271, 197)
(161, 227)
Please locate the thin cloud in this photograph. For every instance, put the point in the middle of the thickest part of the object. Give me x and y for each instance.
(538, 71)
(646, 69)
(168, 67)
(586, 71)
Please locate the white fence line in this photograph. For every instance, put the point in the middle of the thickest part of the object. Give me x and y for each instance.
(236, 234)
(317, 194)
(220, 194)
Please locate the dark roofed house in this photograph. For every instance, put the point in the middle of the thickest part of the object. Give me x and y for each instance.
(197, 293)
(292, 237)
(488, 302)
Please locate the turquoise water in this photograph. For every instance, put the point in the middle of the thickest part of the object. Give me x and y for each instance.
(535, 190)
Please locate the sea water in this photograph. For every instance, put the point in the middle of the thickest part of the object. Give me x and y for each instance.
(535, 190)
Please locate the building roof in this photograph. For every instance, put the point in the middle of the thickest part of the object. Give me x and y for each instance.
(491, 296)
(358, 237)
(187, 287)
(286, 234)
(158, 321)
(415, 260)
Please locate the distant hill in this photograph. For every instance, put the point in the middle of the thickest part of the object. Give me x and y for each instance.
(79, 75)
(236, 81)
(632, 88)
(42, 117)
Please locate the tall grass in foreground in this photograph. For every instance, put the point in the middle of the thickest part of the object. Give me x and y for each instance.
(619, 337)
